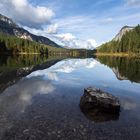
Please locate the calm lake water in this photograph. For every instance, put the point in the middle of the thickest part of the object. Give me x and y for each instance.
(40, 98)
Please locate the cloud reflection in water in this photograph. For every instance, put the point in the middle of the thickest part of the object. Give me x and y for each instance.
(20, 95)
(65, 66)
(15, 99)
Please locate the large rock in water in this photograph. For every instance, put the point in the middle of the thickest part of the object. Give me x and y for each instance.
(99, 106)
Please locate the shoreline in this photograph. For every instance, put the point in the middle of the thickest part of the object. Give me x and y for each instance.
(118, 54)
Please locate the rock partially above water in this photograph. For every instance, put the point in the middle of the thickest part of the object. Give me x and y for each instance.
(99, 105)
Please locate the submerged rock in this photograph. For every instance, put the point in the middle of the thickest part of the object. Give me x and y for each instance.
(99, 106)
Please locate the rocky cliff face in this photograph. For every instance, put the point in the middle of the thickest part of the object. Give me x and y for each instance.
(122, 32)
(8, 21)
(8, 26)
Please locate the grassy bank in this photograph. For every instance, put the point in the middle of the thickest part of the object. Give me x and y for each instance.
(118, 54)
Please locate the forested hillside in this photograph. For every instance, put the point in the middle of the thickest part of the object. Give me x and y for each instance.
(129, 43)
(12, 44)
(15, 45)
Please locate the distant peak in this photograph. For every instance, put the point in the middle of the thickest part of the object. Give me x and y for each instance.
(122, 32)
(127, 27)
(7, 20)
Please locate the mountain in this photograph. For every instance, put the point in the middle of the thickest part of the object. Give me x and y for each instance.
(126, 41)
(7, 25)
(122, 32)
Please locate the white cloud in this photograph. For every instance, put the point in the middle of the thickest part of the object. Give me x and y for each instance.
(70, 41)
(25, 13)
(92, 42)
(65, 37)
(52, 29)
(132, 3)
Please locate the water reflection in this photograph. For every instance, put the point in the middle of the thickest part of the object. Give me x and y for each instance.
(128, 104)
(70, 65)
(65, 66)
(20, 95)
(97, 115)
(125, 68)
(13, 68)
(43, 100)
(17, 98)
(10, 62)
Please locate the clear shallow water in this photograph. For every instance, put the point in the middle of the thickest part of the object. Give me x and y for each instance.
(44, 104)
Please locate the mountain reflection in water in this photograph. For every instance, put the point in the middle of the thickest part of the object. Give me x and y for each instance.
(125, 68)
(12, 69)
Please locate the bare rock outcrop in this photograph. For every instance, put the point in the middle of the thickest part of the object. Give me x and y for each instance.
(99, 106)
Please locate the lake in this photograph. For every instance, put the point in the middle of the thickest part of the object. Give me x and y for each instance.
(40, 96)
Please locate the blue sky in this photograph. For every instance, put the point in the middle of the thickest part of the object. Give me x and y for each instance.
(74, 23)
